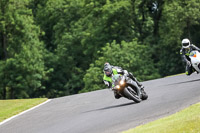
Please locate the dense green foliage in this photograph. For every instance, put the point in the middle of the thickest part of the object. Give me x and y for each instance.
(53, 48)
(22, 64)
(138, 62)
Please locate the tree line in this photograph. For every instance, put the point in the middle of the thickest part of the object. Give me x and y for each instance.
(56, 48)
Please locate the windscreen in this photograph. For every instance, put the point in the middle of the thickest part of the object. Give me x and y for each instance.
(116, 78)
(192, 53)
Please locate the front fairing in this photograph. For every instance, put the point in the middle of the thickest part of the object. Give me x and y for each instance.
(195, 60)
(131, 82)
(115, 79)
(116, 82)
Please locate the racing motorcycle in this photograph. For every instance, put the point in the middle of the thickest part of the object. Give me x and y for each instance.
(128, 88)
(195, 60)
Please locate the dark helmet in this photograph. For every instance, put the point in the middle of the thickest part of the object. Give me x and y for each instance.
(107, 69)
(106, 64)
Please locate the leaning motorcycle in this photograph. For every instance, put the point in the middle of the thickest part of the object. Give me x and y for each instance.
(195, 60)
(128, 88)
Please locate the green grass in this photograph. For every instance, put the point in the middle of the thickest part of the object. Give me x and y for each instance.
(185, 121)
(10, 108)
(175, 75)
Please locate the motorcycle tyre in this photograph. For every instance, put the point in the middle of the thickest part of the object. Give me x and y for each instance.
(144, 95)
(131, 96)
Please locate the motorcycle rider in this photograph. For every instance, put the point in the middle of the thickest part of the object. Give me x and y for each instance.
(187, 47)
(110, 70)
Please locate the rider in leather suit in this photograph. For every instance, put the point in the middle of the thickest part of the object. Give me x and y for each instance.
(110, 70)
(185, 52)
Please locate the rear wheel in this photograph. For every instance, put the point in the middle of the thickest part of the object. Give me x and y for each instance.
(144, 95)
(132, 94)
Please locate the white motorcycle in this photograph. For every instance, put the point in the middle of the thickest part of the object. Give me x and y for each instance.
(195, 60)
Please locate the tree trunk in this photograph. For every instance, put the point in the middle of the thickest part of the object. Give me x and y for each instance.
(12, 93)
(3, 46)
(4, 92)
(3, 33)
(188, 29)
(157, 17)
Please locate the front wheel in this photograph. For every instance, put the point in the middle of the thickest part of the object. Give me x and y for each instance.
(132, 94)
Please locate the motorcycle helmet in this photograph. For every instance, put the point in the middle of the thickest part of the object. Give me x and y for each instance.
(108, 70)
(185, 43)
(106, 64)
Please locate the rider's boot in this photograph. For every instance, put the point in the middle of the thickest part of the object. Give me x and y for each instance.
(133, 78)
(139, 84)
(141, 87)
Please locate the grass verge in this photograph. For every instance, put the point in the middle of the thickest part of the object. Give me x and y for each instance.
(175, 75)
(185, 121)
(10, 108)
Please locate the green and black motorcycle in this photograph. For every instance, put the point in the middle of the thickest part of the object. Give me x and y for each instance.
(128, 88)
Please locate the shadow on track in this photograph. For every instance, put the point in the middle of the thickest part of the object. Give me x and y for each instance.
(110, 107)
(184, 82)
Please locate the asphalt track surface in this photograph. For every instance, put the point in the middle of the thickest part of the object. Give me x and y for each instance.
(99, 112)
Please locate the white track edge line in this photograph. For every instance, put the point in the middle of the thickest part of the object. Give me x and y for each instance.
(6, 120)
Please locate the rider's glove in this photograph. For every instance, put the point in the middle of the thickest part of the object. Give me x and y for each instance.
(112, 89)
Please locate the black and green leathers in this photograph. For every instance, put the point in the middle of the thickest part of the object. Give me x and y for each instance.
(185, 52)
(118, 70)
(108, 80)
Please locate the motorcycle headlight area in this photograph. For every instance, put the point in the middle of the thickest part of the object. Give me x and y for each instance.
(121, 82)
(118, 87)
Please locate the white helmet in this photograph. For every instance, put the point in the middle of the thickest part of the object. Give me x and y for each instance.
(185, 43)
